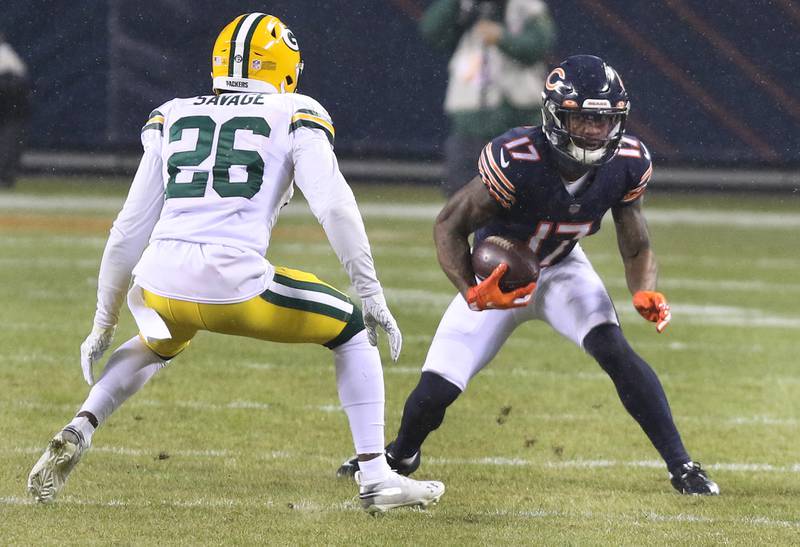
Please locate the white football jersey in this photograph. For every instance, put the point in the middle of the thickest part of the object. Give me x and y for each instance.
(227, 167)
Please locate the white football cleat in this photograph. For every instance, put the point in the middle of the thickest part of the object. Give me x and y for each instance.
(50, 473)
(397, 491)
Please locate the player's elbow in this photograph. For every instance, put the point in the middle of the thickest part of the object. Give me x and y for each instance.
(446, 226)
(641, 258)
(450, 218)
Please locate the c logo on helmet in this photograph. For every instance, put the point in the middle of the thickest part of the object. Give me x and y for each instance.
(554, 81)
(289, 39)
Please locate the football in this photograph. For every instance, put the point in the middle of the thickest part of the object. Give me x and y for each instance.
(523, 268)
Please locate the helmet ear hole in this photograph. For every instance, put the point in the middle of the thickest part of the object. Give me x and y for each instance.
(289, 80)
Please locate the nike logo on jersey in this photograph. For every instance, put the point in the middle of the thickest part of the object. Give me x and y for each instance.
(503, 160)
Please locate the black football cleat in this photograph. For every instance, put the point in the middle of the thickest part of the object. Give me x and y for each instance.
(403, 466)
(348, 468)
(691, 479)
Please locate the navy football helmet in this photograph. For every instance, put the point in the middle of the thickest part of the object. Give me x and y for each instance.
(584, 107)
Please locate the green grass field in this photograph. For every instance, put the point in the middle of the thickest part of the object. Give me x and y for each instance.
(237, 441)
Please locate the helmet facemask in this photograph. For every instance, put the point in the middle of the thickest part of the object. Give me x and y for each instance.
(587, 136)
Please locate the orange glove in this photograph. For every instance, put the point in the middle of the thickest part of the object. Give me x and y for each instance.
(653, 306)
(487, 294)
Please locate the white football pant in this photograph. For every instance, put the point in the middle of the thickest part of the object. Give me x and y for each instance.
(569, 296)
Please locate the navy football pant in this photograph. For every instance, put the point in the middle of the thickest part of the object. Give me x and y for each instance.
(637, 385)
(639, 390)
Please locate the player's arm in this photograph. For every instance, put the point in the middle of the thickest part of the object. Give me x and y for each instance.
(470, 208)
(127, 240)
(633, 238)
(466, 211)
(475, 205)
(332, 201)
(641, 268)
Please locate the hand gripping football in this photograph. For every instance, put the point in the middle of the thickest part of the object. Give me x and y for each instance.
(523, 268)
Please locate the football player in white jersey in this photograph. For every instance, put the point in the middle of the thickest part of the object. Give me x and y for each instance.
(193, 235)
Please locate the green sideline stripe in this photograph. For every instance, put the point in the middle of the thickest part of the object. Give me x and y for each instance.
(232, 52)
(247, 42)
(305, 305)
(310, 286)
(353, 327)
(312, 125)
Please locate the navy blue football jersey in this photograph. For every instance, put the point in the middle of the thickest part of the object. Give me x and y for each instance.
(519, 170)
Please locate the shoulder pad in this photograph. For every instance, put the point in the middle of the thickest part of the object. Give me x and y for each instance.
(153, 128)
(309, 113)
(505, 160)
(640, 167)
(154, 121)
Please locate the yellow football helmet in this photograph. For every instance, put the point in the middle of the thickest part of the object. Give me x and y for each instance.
(256, 52)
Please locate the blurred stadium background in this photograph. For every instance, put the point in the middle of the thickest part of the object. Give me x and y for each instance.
(714, 85)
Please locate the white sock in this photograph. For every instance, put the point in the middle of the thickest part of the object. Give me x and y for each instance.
(127, 371)
(359, 379)
(374, 470)
(84, 427)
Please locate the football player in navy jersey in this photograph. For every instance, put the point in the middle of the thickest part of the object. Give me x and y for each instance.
(551, 185)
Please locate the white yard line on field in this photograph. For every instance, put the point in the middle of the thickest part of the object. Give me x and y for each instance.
(138, 403)
(27, 241)
(762, 420)
(594, 464)
(757, 521)
(425, 339)
(495, 461)
(50, 263)
(658, 464)
(31, 202)
(726, 285)
(415, 297)
(156, 453)
(417, 211)
(209, 503)
(581, 375)
(203, 405)
(724, 257)
(433, 274)
(307, 506)
(259, 366)
(378, 249)
(686, 313)
(134, 452)
(351, 505)
(755, 421)
(50, 327)
(734, 218)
